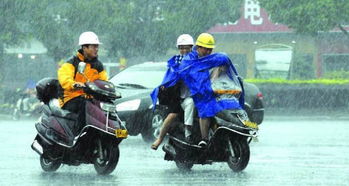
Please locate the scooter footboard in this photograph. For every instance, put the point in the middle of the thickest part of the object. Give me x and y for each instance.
(180, 150)
(56, 129)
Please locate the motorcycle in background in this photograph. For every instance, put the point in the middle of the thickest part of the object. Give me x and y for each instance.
(8, 100)
(27, 105)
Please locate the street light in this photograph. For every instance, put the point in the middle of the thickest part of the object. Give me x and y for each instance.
(59, 19)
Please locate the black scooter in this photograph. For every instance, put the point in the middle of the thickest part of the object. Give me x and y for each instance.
(229, 142)
(58, 142)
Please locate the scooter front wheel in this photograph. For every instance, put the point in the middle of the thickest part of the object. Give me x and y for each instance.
(49, 165)
(184, 166)
(107, 164)
(239, 154)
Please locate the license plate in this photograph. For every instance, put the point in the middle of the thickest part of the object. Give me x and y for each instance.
(250, 124)
(121, 133)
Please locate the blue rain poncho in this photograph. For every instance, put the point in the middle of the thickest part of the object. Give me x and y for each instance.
(212, 80)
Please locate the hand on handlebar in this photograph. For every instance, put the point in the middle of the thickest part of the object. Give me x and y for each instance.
(79, 85)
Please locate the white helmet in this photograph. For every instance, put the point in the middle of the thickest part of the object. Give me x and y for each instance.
(88, 38)
(185, 39)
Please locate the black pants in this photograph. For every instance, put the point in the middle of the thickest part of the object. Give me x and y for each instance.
(77, 105)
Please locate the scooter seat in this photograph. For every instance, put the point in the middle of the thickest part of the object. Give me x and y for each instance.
(63, 113)
(54, 109)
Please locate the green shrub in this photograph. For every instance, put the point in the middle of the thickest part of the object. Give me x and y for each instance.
(330, 94)
(311, 81)
(337, 75)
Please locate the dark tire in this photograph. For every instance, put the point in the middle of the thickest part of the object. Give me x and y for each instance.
(241, 150)
(49, 165)
(153, 131)
(184, 166)
(111, 158)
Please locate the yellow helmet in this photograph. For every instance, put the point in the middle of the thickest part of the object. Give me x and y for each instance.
(205, 40)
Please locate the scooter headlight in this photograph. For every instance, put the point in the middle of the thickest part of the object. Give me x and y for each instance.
(93, 87)
(108, 107)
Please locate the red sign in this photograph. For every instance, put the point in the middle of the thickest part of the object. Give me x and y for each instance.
(253, 19)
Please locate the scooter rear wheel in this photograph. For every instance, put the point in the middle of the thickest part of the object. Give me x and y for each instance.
(49, 165)
(111, 158)
(239, 158)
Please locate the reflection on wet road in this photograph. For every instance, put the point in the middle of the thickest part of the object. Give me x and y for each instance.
(289, 152)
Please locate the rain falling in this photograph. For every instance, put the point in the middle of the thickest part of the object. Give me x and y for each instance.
(140, 92)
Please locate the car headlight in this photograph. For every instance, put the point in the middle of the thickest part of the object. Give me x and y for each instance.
(128, 105)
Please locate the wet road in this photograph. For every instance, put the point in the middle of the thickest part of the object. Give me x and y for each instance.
(290, 151)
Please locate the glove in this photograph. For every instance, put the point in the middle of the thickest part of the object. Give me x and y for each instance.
(78, 85)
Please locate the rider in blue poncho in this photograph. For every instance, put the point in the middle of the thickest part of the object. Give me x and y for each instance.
(212, 80)
(176, 97)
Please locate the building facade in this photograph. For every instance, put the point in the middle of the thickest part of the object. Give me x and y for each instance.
(263, 49)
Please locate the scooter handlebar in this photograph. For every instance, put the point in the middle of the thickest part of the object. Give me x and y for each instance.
(79, 86)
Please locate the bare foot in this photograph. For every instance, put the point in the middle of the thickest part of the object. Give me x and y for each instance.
(156, 144)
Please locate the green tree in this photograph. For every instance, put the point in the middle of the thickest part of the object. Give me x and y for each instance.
(53, 24)
(126, 27)
(149, 28)
(308, 16)
(12, 26)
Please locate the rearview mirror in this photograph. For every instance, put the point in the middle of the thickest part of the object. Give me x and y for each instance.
(81, 67)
